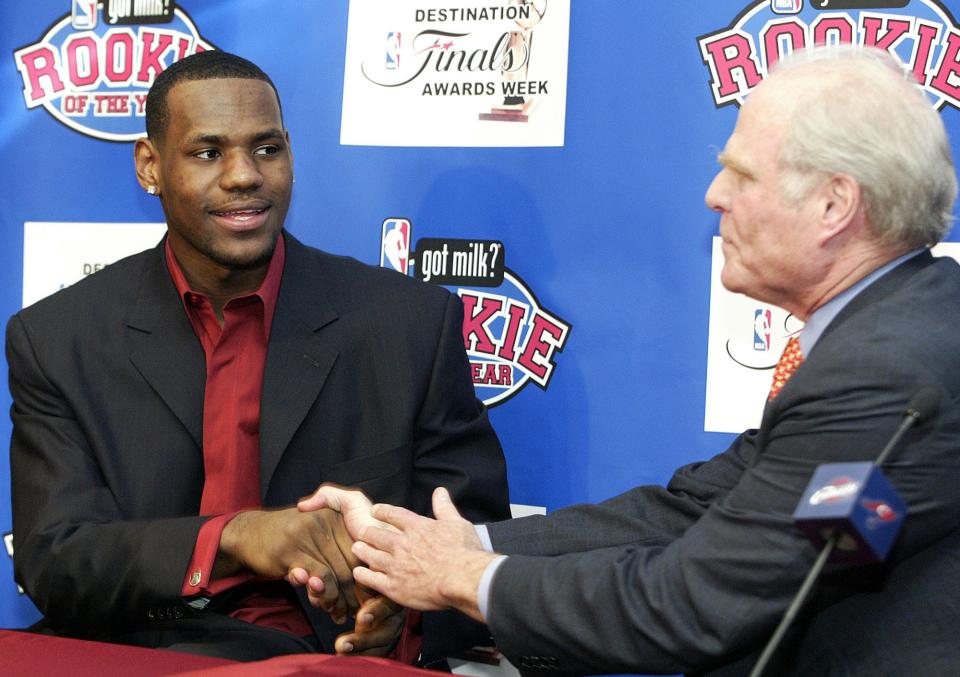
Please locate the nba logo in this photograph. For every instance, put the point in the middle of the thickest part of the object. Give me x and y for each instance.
(395, 245)
(786, 6)
(392, 62)
(84, 16)
(761, 329)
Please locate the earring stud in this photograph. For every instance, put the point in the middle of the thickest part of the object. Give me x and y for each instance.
(152, 190)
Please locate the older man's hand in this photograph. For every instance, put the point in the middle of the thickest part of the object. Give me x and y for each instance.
(354, 508)
(419, 562)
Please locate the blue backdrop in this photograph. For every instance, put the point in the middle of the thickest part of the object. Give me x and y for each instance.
(610, 230)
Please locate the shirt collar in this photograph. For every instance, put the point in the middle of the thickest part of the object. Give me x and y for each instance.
(820, 318)
(268, 292)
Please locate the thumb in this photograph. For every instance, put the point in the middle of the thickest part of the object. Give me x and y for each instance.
(321, 498)
(443, 507)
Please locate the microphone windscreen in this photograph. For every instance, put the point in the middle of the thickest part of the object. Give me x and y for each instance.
(924, 405)
(858, 502)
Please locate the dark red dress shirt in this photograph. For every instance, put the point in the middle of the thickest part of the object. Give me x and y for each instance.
(235, 357)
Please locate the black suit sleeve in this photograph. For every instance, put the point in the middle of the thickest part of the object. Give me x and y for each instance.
(648, 515)
(715, 592)
(81, 561)
(455, 447)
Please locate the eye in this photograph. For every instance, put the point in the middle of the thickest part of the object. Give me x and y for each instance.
(267, 150)
(207, 154)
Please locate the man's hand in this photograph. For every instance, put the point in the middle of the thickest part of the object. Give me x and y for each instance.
(423, 563)
(273, 543)
(378, 626)
(353, 504)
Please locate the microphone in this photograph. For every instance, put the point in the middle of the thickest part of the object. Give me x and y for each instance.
(853, 508)
(854, 503)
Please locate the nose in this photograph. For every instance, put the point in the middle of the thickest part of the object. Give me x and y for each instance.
(240, 172)
(716, 196)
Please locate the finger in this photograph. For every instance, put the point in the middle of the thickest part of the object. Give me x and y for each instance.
(374, 611)
(324, 588)
(345, 543)
(381, 539)
(376, 640)
(375, 559)
(332, 543)
(298, 576)
(394, 515)
(443, 507)
(363, 594)
(315, 592)
(372, 579)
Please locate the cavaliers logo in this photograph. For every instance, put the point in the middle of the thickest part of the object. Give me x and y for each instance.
(922, 33)
(92, 68)
(510, 338)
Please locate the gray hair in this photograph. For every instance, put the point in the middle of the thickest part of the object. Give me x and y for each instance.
(867, 117)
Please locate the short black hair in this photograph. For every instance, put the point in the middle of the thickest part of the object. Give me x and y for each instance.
(208, 65)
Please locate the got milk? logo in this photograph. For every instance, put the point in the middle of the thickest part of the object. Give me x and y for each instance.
(922, 33)
(510, 338)
(93, 67)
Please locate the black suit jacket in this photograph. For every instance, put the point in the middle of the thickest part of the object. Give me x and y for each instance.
(366, 384)
(695, 576)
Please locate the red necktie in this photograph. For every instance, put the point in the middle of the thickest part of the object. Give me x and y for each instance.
(788, 363)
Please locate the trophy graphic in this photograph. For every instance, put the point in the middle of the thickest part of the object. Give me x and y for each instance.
(516, 65)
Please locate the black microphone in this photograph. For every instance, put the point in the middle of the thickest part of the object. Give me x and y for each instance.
(922, 407)
(853, 508)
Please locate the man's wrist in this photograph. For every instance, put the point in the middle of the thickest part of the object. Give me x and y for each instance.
(229, 559)
(461, 592)
(485, 585)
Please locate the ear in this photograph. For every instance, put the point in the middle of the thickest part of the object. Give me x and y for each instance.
(839, 204)
(147, 161)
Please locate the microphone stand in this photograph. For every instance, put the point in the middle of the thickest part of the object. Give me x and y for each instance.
(911, 418)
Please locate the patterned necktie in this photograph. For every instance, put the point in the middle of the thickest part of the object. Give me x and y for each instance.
(788, 363)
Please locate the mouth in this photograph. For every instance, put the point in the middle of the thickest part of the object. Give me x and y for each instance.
(242, 217)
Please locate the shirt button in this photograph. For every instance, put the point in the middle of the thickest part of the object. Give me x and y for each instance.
(195, 578)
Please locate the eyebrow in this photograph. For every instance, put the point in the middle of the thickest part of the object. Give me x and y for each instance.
(731, 162)
(219, 139)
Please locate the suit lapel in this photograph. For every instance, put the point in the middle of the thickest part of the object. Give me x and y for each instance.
(299, 355)
(166, 351)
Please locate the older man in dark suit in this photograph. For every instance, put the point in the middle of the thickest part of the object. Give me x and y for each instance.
(161, 406)
(836, 180)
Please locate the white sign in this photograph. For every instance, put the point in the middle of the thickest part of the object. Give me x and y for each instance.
(745, 342)
(474, 73)
(55, 255)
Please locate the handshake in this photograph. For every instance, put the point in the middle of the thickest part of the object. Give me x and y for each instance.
(357, 559)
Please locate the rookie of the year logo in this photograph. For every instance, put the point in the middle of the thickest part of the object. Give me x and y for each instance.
(922, 33)
(93, 67)
(510, 338)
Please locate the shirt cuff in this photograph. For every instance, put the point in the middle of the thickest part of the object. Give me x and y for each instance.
(197, 579)
(484, 535)
(486, 580)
